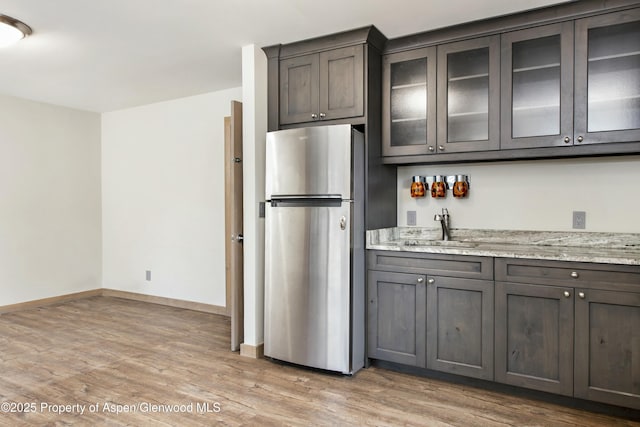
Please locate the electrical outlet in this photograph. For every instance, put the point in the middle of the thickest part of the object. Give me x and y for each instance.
(147, 275)
(579, 220)
(411, 217)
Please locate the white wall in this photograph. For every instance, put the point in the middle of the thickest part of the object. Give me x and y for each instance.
(163, 198)
(254, 129)
(50, 236)
(534, 195)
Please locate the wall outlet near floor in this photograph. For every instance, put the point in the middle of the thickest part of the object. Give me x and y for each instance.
(579, 220)
(411, 217)
(147, 275)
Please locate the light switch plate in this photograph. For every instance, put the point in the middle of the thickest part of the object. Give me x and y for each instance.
(579, 220)
(411, 217)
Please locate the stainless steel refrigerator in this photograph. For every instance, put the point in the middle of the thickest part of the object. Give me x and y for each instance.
(314, 247)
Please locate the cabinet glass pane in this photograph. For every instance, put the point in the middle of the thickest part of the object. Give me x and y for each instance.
(468, 95)
(409, 102)
(614, 78)
(536, 87)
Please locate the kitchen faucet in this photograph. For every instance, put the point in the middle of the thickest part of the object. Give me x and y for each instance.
(444, 222)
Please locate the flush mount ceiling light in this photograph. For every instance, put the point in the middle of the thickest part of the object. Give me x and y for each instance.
(12, 30)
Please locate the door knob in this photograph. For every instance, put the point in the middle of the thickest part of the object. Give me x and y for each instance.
(237, 238)
(343, 223)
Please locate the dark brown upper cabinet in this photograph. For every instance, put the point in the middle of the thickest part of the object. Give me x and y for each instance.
(607, 78)
(409, 103)
(561, 81)
(322, 86)
(469, 95)
(537, 87)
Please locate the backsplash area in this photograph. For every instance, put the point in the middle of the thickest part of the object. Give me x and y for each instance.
(533, 195)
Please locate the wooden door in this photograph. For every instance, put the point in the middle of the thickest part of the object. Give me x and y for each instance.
(299, 87)
(537, 87)
(607, 358)
(397, 317)
(607, 78)
(409, 102)
(233, 223)
(469, 95)
(534, 337)
(460, 326)
(341, 83)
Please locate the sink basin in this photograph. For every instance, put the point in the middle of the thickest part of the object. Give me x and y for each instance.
(447, 243)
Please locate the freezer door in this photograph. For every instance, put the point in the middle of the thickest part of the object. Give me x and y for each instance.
(307, 285)
(309, 161)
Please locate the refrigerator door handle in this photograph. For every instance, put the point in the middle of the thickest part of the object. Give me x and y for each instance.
(343, 223)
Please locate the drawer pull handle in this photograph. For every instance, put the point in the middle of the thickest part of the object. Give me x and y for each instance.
(575, 274)
(581, 295)
(567, 294)
(420, 280)
(431, 281)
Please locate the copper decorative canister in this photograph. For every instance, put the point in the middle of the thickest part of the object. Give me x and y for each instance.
(418, 186)
(461, 186)
(439, 187)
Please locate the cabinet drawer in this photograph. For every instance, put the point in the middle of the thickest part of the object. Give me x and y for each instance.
(563, 273)
(472, 267)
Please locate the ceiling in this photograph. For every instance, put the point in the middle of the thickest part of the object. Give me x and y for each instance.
(105, 55)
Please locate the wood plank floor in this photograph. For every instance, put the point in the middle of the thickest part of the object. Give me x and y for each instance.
(110, 355)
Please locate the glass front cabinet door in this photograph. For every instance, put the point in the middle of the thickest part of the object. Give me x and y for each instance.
(607, 78)
(409, 102)
(469, 95)
(537, 87)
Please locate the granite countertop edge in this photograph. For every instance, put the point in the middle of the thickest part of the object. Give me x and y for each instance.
(593, 247)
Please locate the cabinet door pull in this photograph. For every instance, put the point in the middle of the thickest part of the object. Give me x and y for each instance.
(580, 138)
(431, 148)
(323, 115)
(441, 147)
(420, 280)
(581, 295)
(567, 140)
(431, 281)
(575, 274)
(314, 116)
(567, 294)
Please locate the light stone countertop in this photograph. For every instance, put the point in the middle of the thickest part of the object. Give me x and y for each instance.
(607, 248)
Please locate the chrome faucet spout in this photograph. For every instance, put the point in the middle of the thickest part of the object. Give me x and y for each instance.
(444, 223)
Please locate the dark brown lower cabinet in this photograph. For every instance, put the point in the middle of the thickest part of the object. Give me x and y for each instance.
(534, 337)
(396, 317)
(607, 347)
(567, 328)
(460, 326)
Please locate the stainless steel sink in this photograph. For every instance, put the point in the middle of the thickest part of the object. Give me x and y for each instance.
(446, 243)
